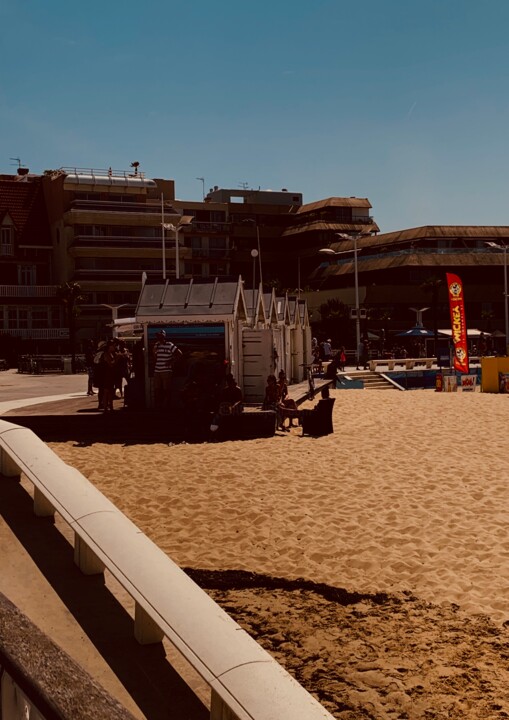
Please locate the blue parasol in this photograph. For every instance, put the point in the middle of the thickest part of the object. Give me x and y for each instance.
(418, 332)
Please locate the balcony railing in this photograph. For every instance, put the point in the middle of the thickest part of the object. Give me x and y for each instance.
(118, 206)
(211, 227)
(102, 172)
(212, 253)
(6, 249)
(95, 240)
(28, 291)
(37, 333)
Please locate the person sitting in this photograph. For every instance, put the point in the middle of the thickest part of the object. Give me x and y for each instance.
(230, 400)
(318, 421)
(288, 407)
(272, 400)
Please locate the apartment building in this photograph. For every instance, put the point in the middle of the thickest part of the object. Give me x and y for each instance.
(105, 228)
(30, 314)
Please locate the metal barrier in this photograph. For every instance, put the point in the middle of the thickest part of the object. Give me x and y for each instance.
(39, 364)
(246, 682)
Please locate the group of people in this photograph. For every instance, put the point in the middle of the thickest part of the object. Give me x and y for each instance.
(108, 366)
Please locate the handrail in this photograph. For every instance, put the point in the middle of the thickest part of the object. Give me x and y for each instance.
(246, 682)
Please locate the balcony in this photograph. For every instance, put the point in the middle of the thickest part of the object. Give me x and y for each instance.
(6, 249)
(28, 291)
(210, 253)
(120, 240)
(211, 227)
(109, 206)
(37, 333)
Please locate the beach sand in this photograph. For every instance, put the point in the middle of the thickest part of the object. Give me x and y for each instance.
(373, 563)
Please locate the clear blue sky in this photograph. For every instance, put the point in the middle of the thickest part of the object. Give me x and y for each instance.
(405, 102)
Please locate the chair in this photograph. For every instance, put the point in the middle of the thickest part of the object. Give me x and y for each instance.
(318, 421)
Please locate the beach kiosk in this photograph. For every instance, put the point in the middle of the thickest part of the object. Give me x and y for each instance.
(205, 320)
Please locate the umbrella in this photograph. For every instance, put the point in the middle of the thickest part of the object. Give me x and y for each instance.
(417, 332)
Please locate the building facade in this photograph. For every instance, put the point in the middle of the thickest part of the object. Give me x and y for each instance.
(401, 271)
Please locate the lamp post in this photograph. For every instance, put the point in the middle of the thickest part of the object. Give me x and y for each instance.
(254, 255)
(496, 246)
(114, 316)
(330, 251)
(184, 220)
(252, 221)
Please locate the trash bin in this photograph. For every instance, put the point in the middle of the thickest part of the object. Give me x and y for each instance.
(67, 366)
(439, 382)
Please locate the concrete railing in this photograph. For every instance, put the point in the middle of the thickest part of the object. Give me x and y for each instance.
(407, 363)
(246, 682)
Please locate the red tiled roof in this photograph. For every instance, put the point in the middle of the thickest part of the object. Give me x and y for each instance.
(23, 201)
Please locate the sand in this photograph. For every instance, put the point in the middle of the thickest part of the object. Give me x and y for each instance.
(373, 563)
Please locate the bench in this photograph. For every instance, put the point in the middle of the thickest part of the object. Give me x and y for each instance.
(408, 363)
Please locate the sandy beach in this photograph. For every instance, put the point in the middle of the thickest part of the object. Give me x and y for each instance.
(373, 563)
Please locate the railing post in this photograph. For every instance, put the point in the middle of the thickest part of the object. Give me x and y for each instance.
(219, 710)
(85, 558)
(146, 631)
(8, 468)
(42, 506)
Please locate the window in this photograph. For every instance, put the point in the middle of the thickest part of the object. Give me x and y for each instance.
(26, 274)
(194, 269)
(217, 269)
(7, 241)
(217, 242)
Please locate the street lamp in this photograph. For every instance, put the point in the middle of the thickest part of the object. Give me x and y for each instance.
(254, 255)
(252, 221)
(184, 220)
(114, 316)
(496, 246)
(330, 251)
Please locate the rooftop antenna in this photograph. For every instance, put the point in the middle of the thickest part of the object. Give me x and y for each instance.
(18, 160)
(244, 185)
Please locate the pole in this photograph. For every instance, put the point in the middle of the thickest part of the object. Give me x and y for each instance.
(357, 309)
(505, 303)
(162, 237)
(254, 280)
(177, 254)
(298, 277)
(259, 255)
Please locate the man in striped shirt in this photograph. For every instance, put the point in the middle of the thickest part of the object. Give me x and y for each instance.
(165, 353)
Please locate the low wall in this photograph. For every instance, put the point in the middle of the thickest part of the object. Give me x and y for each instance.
(38, 680)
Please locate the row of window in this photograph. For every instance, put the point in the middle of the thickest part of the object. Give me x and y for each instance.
(26, 317)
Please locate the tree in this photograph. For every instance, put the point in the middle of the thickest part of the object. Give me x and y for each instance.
(70, 296)
(335, 321)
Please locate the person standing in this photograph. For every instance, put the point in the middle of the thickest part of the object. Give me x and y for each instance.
(165, 354)
(364, 352)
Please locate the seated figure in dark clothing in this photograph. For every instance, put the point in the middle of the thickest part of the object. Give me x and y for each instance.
(230, 401)
(318, 421)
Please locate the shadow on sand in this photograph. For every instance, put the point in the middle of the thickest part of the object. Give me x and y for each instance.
(154, 685)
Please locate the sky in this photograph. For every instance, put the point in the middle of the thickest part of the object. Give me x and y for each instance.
(405, 102)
